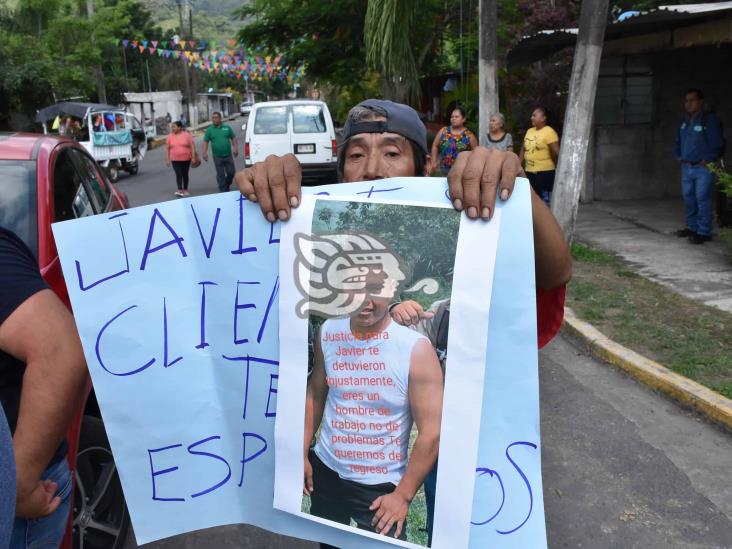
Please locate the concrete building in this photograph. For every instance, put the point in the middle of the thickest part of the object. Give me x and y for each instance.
(649, 60)
(211, 102)
(152, 107)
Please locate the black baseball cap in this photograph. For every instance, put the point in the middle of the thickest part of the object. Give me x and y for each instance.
(400, 119)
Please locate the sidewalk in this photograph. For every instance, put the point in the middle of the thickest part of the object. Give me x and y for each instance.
(641, 232)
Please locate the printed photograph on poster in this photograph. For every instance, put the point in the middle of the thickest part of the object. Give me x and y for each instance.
(375, 283)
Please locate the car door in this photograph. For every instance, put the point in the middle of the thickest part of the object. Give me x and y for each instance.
(269, 132)
(310, 139)
(98, 189)
(71, 196)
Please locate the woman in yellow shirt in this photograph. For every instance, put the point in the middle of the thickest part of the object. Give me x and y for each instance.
(539, 153)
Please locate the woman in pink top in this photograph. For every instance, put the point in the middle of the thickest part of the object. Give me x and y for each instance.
(180, 151)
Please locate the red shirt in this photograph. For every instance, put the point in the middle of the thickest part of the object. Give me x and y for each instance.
(549, 313)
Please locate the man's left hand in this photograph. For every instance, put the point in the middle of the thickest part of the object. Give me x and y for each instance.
(478, 176)
(236, 152)
(389, 509)
(409, 313)
(37, 500)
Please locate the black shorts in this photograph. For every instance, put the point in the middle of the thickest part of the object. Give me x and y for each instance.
(341, 500)
(541, 181)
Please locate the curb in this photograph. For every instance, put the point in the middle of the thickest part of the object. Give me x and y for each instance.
(656, 376)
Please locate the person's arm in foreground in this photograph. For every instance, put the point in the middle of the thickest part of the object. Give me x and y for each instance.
(425, 400)
(476, 179)
(41, 333)
(317, 392)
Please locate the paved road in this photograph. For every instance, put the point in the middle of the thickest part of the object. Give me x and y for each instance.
(622, 465)
(155, 182)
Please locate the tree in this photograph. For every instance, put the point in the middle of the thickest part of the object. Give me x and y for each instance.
(327, 35)
(580, 108)
(488, 102)
(388, 31)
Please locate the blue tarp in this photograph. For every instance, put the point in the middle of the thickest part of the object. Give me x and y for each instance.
(119, 137)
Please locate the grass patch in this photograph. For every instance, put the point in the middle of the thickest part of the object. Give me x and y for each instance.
(692, 339)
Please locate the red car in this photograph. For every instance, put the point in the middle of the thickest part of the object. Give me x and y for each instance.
(44, 179)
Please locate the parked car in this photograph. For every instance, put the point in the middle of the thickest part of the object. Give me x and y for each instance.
(114, 137)
(245, 108)
(302, 127)
(44, 179)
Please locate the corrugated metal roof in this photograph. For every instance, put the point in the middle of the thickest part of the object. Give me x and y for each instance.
(544, 43)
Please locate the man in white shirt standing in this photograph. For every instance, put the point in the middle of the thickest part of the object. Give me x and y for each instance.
(372, 379)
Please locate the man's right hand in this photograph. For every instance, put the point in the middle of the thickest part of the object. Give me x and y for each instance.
(36, 501)
(307, 485)
(275, 183)
(205, 157)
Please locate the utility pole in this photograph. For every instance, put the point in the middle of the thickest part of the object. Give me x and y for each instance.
(487, 66)
(579, 116)
(101, 89)
(184, 59)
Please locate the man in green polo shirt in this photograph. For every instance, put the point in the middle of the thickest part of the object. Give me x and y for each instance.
(222, 140)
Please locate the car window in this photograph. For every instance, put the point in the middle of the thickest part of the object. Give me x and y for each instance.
(88, 169)
(19, 200)
(271, 120)
(70, 198)
(308, 119)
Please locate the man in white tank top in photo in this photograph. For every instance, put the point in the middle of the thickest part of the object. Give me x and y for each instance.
(371, 380)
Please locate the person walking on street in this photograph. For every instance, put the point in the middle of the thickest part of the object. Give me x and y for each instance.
(699, 141)
(452, 140)
(222, 139)
(539, 154)
(180, 151)
(498, 137)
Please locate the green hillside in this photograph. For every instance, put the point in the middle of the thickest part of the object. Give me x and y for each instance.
(212, 19)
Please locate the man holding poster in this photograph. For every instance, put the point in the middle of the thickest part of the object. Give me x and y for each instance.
(385, 139)
(371, 379)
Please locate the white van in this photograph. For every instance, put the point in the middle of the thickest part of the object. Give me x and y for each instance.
(302, 127)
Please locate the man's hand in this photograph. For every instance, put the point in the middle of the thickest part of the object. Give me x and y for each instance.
(389, 509)
(478, 176)
(205, 156)
(275, 184)
(36, 501)
(409, 313)
(307, 485)
(235, 152)
(167, 162)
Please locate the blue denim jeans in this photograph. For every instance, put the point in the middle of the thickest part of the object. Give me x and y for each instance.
(697, 184)
(225, 170)
(46, 532)
(7, 481)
